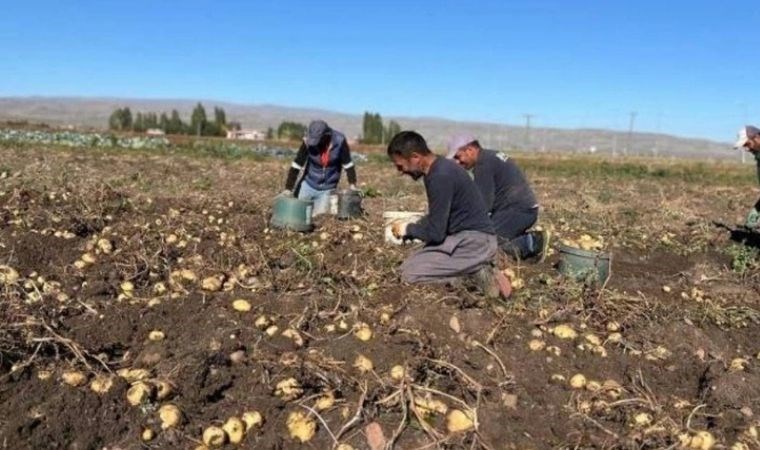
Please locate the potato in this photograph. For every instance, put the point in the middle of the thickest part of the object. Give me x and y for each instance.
(615, 338)
(159, 288)
(241, 305)
(300, 426)
(427, 406)
(294, 335)
(212, 284)
(642, 419)
(156, 335)
(170, 416)
(703, 440)
(578, 381)
(363, 332)
(593, 339)
(8, 275)
(262, 322)
(101, 384)
(289, 389)
(344, 447)
(235, 429)
(139, 393)
(271, 331)
(127, 287)
(458, 421)
(252, 419)
(164, 389)
(536, 345)
(593, 386)
(564, 332)
(147, 435)
(132, 375)
(363, 364)
(43, 375)
(105, 246)
(88, 258)
(325, 401)
(398, 373)
(74, 378)
(214, 436)
(737, 365)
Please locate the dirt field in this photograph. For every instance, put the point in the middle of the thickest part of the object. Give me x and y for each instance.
(111, 248)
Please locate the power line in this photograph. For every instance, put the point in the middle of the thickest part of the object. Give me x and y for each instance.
(630, 132)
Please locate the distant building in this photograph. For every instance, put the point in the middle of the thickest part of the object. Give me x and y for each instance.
(249, 135)
(155, 132)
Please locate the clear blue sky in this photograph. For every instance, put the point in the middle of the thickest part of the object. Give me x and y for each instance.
(688, 68)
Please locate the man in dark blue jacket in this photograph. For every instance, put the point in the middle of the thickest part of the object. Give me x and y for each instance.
(458, 235)
(509, 199)
(322, 156)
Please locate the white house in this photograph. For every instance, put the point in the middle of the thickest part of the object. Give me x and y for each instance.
(250, 135)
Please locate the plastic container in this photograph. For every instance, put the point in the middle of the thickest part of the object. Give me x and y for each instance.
(584, 265)
(292, 214)
(334, 204)
(390, 216)
(349, 204)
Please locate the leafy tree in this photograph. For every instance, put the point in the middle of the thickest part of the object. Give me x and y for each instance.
(292, 131)
(120, 120)
(126, 118)
(175, 125)
(220, 117)
(270, 133)
(393, 129)
(198, 120)
(163, 123)
(139, 123)
(372, 128)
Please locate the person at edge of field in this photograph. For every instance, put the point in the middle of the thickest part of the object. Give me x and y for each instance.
(748, 138)
(322, 156)
(509, 199)
(458, 237)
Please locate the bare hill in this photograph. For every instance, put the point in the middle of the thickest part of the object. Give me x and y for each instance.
(94, 113)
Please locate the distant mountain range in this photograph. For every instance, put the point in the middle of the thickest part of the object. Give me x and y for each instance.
(94, 113)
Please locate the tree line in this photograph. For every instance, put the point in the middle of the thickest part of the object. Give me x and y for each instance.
(122, 119)
(374, 131)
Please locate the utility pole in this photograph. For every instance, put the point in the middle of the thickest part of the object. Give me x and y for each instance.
(630, 132)
(744, 123)
(527, 129)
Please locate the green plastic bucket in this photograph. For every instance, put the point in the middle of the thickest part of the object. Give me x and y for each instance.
(292, 214)
(349, 204)
(584, 265)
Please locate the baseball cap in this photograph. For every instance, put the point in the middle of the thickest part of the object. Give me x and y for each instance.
(317, 129)
(458, 141)
(745, 134)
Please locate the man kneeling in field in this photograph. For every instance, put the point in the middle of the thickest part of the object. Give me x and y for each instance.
(458, 235)
(509, 199)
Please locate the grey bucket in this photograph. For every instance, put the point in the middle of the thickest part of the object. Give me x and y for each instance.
(584, 265)
(349, 204)
(292, 214)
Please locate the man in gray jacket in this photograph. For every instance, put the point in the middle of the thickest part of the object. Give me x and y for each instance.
(458, 235)
(748, 139)
(509, 199)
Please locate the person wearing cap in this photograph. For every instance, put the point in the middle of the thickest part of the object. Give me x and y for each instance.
(749, 139)
(458, 235)
(509, 199)
(322, 156)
